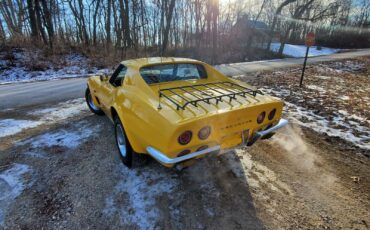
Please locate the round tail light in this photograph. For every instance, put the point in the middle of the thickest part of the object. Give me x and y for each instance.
(272, 114)
(202, 148)
(185, 137)
(261, 117)
(204, 132)
(183, 153)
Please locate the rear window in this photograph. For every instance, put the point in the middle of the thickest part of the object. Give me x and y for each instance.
(172, 72)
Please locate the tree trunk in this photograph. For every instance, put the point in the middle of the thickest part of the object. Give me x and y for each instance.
(107, 24)
(94, 20)
(2, 32)
(82, 23)
(143, 24)
(33, 23)
(168, 24)
(215, 12)
(127, 25)
(39, 22)
(48, 22)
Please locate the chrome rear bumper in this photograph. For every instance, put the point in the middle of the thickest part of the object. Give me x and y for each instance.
(166, 160)
(162, 158)
(280, 125)
(267, 132)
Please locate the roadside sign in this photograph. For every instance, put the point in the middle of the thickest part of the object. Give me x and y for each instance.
(310, 39)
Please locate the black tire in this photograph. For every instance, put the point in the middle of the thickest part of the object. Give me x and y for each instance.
(124, 148)
(95, 109)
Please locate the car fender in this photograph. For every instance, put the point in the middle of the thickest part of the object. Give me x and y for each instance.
(143, 124)
(93, 83)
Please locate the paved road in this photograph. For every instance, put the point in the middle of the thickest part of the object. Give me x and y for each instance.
(248, 67)
(24, 94)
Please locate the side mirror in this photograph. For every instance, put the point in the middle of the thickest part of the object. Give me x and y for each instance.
(104, 77)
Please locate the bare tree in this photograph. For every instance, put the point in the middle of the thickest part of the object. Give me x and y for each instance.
(95, 18)
(168, 12)
(277, 13)
(47, 19)
(32, 19)
(108, 22)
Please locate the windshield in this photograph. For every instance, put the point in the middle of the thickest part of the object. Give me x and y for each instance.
(172, 72)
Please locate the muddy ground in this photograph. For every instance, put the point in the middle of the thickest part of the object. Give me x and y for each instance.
(66, 174)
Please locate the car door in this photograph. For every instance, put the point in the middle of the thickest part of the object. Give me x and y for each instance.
(108, 88)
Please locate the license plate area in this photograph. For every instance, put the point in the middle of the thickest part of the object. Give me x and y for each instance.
(235, 139)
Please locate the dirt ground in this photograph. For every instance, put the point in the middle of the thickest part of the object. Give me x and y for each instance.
(66, 173)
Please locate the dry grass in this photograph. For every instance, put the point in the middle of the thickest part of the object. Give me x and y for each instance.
(328, 87)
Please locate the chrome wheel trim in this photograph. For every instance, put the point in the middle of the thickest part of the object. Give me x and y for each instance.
(91, 102)
(121, 140)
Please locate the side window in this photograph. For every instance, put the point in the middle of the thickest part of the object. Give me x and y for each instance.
(118, 75)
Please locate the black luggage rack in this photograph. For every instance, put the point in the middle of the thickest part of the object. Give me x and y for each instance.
(231, 90)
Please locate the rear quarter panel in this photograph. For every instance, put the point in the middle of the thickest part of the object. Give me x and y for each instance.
(143, 124)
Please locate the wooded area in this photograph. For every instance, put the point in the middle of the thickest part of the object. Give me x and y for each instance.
(195, 28)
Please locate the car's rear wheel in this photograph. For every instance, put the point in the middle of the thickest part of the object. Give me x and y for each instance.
(123, 145)
(90, 102)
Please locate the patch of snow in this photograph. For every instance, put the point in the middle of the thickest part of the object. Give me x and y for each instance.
(63, 137)
(343, 112)
(317, 88)
(348, 66)
(300, 50)
(142, 189)
(35, 154)
(11, 126)
(343, 97)
(358, 118)
(12, 184)
(338, 127)
(51, 115)
(62, 110)
(20, 74)
(323, 77)
(72, 66)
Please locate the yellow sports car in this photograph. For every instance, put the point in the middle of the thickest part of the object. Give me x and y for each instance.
(179, 109)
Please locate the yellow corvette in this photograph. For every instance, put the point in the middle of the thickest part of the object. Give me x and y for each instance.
(179, 109)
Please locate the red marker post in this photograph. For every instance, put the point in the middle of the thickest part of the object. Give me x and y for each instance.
(310, 41)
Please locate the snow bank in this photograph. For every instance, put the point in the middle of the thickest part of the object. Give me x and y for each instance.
(11, 126)
(70, 66)
(300, 50)
(12, 184)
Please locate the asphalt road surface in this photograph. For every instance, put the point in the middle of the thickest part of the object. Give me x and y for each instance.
(27, 94)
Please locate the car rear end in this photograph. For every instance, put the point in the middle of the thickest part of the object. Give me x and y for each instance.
(211, 127)
(206, 112)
